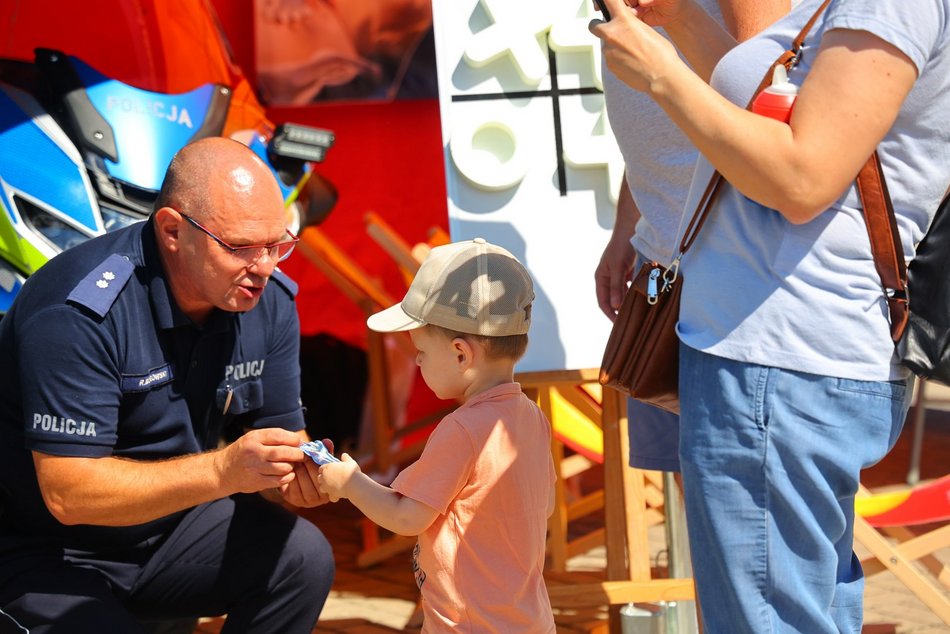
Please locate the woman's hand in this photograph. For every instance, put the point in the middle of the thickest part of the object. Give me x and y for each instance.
(632, 49)
(616, 262)
(657, 13)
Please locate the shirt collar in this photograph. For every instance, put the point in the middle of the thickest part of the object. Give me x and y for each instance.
(504, 390)
(166, 312)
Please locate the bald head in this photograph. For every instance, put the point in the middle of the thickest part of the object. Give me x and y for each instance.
(218, 193)
(203, 172)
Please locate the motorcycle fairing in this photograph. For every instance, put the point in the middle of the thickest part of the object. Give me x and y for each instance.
(37, 156)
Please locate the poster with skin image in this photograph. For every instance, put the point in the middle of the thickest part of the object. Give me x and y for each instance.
(315, 51)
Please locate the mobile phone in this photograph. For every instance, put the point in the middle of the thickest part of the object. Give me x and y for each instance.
(603, 9)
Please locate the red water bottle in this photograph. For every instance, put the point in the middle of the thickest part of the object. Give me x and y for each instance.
(777, 99)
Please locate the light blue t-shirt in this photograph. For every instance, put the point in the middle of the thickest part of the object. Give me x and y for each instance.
(807, 297)
(659, 161)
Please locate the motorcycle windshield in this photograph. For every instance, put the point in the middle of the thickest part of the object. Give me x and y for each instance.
(162, 122)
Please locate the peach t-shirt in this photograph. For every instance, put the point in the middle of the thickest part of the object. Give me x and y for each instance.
(487, 469)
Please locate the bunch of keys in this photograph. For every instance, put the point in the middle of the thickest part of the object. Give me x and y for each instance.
(318, 452)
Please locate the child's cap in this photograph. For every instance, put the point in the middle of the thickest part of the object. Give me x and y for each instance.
(472, 287)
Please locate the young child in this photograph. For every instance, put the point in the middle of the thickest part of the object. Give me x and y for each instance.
(481, 492)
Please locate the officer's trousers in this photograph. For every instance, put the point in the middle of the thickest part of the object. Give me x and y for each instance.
(267, 569)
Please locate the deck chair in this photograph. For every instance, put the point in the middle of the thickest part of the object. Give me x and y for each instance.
(627, 509)
(370, 297)
(574, 412)
(392, 443)
(407, 256)
(402, 253)
(882, 526)
(929, 395)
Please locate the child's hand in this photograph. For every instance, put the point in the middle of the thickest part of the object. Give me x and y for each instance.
(334, 478)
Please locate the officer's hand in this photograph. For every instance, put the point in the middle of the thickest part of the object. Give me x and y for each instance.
(302, 491)
(260, 459)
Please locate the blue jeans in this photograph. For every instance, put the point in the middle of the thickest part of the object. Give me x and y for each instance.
(654, 437)
(771, 461)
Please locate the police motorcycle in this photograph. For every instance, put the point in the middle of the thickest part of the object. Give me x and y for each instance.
(82, 154)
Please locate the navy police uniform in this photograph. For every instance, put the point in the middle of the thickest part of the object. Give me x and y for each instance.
(98, 360)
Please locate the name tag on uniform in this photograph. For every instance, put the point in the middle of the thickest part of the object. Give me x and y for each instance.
(148, 381)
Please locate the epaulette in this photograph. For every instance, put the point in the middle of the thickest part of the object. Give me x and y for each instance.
(99, 290)
(285, 282)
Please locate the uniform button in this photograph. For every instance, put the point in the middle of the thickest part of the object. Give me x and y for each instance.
(194, 364)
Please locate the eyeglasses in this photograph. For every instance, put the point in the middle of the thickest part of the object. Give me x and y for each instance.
(277, 251)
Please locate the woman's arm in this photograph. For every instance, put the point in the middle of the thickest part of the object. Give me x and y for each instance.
(798, 169)
(700, 39)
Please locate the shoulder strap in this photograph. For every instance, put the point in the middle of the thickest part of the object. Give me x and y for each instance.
(788, 59)
(885, 242)
(99, 290)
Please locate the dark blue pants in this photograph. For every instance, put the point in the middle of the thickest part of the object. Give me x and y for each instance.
(266, 568)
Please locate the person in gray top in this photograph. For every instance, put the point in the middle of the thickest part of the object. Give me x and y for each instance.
(659, 163)
(789, 384)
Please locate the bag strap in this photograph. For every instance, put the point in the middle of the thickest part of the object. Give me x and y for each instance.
(886, 247)
(789, 59)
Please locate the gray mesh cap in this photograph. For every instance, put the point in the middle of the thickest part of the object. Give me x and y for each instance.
(473, 287)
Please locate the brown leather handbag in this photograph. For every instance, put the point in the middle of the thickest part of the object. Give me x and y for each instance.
(642, 353)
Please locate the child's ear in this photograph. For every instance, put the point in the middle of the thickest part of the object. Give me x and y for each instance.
(464, 352)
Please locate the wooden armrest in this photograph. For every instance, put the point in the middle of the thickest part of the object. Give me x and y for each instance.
(391, 242)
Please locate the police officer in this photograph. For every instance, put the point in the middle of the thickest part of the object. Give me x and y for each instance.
(124, 360)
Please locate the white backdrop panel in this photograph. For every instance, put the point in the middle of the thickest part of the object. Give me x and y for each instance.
(530, 161)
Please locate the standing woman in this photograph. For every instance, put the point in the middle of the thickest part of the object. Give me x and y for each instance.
(659, 162)
(788, 382)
